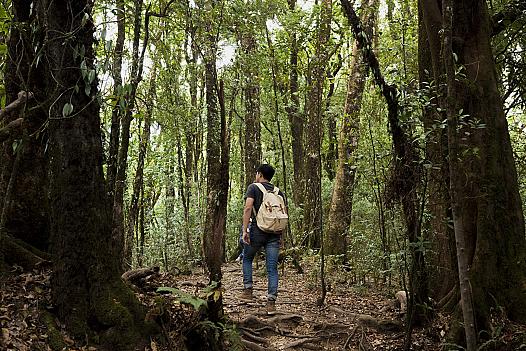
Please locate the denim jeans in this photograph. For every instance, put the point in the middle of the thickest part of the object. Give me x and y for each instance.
(271, 243)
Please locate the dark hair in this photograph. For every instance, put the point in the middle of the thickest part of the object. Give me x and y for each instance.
(267, 171)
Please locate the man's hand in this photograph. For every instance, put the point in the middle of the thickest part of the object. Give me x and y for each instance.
(246, 237)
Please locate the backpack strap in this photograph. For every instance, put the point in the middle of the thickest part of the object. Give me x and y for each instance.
(261, 187)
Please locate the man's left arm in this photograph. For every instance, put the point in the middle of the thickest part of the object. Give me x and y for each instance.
(247, 212)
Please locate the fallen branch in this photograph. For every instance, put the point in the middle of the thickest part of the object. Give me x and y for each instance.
(138, 277)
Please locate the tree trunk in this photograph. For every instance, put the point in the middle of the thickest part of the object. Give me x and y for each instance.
(487, 211)
(86, 285)
(296, 120)
(118, 109)
(252, 111)
(342, 194)
(213, 229)
(27, 216)
(118, 231)
(442, 257)
(313, 207)
(138, 181)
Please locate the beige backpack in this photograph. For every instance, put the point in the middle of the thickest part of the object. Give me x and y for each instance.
(272, 216)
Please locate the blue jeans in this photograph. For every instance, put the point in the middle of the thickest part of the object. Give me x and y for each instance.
(271, 243)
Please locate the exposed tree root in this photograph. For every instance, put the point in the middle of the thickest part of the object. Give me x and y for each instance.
(365, 320)
(19, 253)
(302, 342)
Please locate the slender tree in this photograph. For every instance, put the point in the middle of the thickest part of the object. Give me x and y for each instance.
(252, 104)
(138, 182)
(296, 120)
(118, 108)
(342, 195)
(313, 207)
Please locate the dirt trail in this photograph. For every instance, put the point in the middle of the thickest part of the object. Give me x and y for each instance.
(349, 320)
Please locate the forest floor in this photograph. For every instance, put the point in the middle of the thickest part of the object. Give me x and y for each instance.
(352, 318)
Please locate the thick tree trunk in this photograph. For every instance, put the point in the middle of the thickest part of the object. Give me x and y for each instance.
(86, 285)
(313, 206)
(252, 108)
(442, 256)
(342, 194)
(296, 120)
(487, 209)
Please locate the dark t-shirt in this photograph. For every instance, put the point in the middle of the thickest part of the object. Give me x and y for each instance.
(254, 192)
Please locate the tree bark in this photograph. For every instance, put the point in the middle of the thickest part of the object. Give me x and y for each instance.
(118, 109)
(487, 211)
(296, 120)
(313, 207)
(86, 285)
(213, 230)
(118, 231)
(252, 108)
(342, 195)
(27, 216)
(442, 256)
(139, 175)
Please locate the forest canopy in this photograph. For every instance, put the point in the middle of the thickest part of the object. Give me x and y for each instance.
(131, 129)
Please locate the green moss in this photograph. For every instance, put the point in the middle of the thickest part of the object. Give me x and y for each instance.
(55, 339)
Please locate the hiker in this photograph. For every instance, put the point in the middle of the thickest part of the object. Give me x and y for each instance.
(262, 228)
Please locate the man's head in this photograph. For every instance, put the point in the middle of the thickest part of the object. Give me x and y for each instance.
(265, 172)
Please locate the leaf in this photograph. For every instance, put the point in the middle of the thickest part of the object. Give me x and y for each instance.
(67, 109)
(186, 298)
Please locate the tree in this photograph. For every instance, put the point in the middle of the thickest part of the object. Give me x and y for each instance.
(217, 162)
(486, 207)
(341, 205)
(86, 285)
(252, 105)
(296, 120)
(26, 215)
(313, 206)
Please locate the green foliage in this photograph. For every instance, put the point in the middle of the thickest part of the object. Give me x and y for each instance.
(197, 303)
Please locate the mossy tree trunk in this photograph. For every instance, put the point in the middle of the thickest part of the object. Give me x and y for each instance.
(217, 190)
(487, 209)
(86, 287)
(342, 194)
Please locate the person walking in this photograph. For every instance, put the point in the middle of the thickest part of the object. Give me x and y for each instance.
(264, 219)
